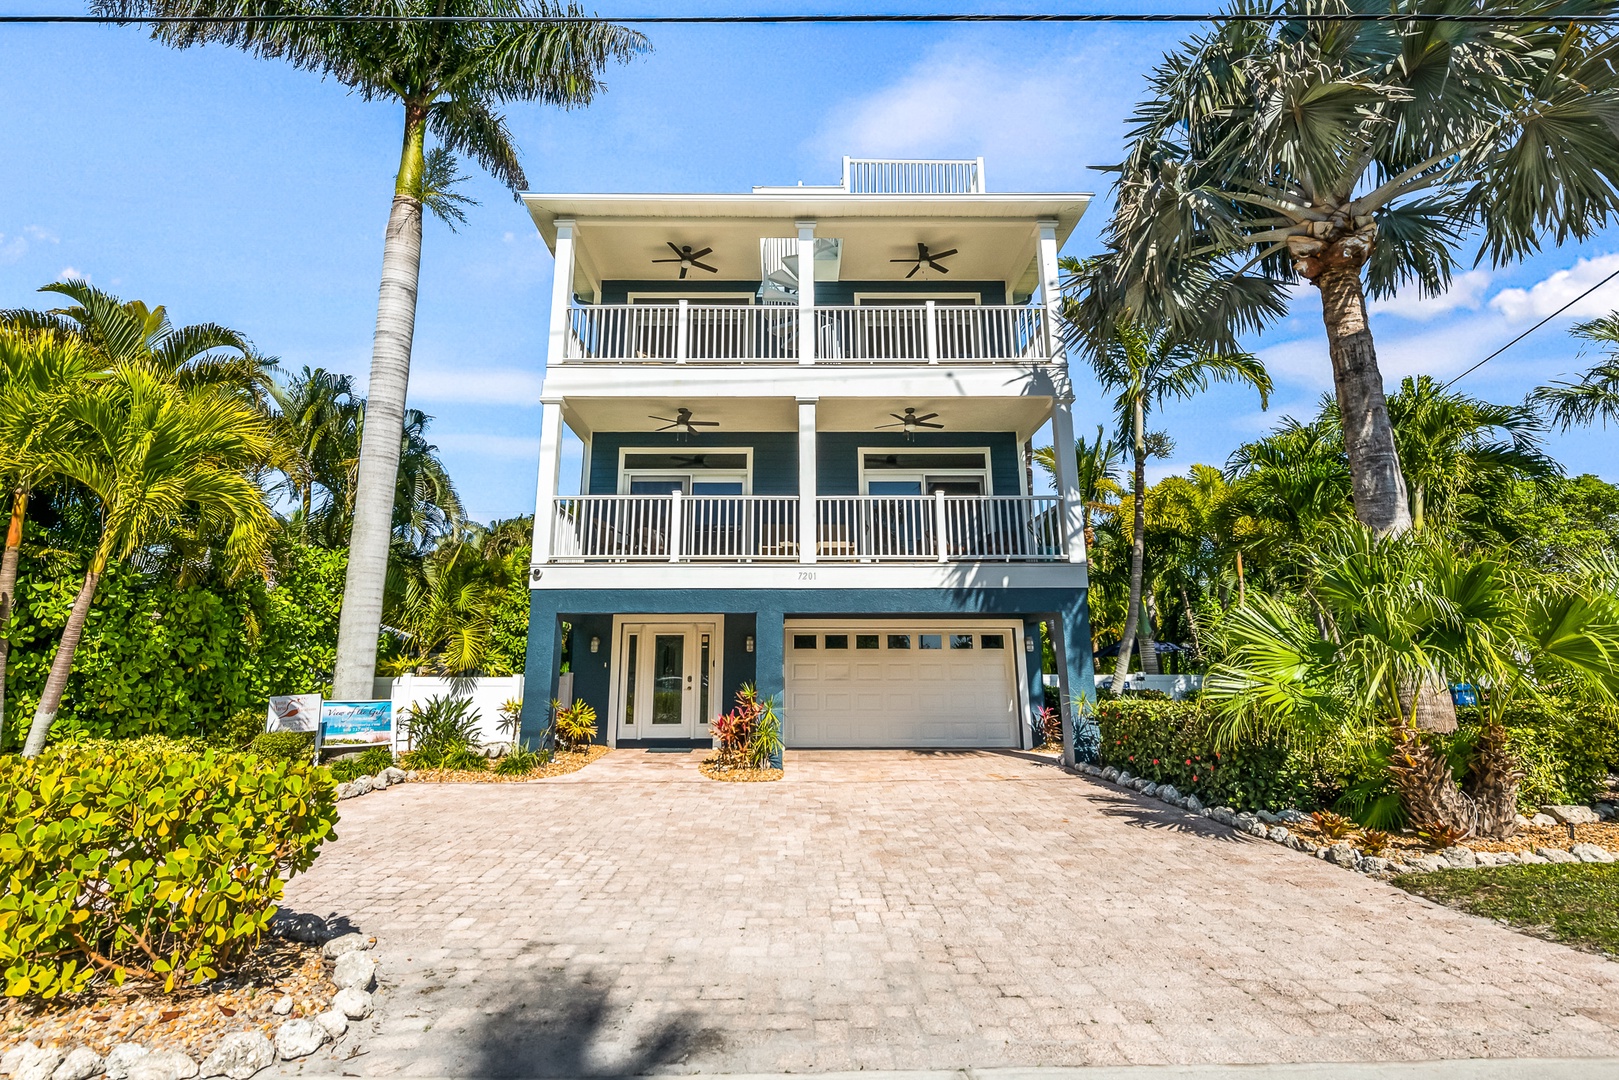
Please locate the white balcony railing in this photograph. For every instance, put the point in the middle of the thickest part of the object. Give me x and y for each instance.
(729, 333)
(768, 333)
(849, 528)
(887, 176)
(675, 528)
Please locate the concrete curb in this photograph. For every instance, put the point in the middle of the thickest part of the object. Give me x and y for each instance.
(1471, 1069)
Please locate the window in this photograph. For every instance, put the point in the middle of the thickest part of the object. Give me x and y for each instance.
(866, 641)
(699, 471)
(929, 641)
(961, 641)
(837, 641)
(899, 641)
(803, 641)
(629, 683)
(992, 641)
(922, 472)
(703, 714)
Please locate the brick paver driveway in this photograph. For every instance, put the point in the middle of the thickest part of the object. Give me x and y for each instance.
(899, 910)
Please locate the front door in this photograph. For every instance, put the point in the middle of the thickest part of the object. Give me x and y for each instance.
(666, 679)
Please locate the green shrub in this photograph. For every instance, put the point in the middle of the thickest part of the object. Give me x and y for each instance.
(1173, 742)
(764, 742)
(464, 759)
(575, 724)
(522, 761)
(283, 745)
(439, 728)
(147, 862)
(239, 730)
(367, 762)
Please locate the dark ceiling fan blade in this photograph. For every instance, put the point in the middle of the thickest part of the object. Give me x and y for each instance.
(935, 266)
(683, 270)
(913, 272)
(921, 251)
(705, 266)
(942, 254)
(898, 417)
(700, 254)
(666, 427)
(677, 251)
(924, 416)
(897, 260)
(664, 419)
(921, 424)
(703, 423)
(881, 426)
(668, 260)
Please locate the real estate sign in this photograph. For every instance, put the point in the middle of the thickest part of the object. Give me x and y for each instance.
(293, 712)
(356, 723)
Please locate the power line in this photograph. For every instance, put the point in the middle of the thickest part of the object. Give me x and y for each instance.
(894, 18)
(1531, 330)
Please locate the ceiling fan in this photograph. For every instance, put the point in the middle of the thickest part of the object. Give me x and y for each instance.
(682, 419)
(910, 421)
(923, 256)
(687, 258)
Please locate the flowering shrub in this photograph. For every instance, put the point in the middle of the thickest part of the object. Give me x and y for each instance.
(152, 862)
(749, 734)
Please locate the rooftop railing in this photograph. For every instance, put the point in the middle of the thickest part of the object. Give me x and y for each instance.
(890, 176)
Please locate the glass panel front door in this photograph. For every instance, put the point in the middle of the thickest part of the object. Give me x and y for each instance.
(668, 680)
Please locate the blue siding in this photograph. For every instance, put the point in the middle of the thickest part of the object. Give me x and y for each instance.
(618, 292)
(838, 463)
(775, 455)
(826, 292)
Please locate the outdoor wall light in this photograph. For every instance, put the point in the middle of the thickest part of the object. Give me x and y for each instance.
(747, 643)
(1028, 644)
(595, 644)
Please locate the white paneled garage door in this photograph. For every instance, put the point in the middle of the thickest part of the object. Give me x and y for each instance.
(902, 684)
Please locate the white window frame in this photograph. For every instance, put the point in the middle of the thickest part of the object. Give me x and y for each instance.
(626, 474)
(861, 298)
(921, 475)
(617, 690)
(693, 298)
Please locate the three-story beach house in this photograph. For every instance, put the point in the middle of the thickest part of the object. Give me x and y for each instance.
(806, 415)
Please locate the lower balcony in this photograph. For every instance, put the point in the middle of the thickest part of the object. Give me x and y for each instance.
(680, 528)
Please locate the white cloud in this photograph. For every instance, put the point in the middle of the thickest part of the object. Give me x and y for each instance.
(526, 447)
(12, 248)
(1466, 292)
(1016, 110)
(1545, 297)
(477, 386)
(41, 233)
(71, 272)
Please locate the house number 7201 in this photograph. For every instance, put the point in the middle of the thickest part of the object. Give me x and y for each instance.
(806, 575)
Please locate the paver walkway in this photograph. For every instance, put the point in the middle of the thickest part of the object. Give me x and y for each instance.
(899, 910)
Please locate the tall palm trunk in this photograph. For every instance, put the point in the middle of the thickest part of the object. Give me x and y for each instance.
(1374, 462)
(50, 701)
(378, 472)
(1145, 641)
(1138, 548)
(8, 588)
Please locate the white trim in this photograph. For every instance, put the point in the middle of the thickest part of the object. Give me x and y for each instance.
(676, 296)
(921, 474)
(625, 475)
(713, 625)
(822, 576)
(861, 298)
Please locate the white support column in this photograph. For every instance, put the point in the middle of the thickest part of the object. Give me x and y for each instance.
(682, 330)
(806, 292)
(545, 492)
(806, 480)
(561, 291)
(1062, 447)
(1050, 289)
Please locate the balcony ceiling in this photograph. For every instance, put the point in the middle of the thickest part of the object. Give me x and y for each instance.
(618, 236)
(1023, 415)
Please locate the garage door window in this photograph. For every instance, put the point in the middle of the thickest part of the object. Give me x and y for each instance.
(961, 641)
(899, 641)
(866, 641)
(930, 641)
(993, 641)
(803, 641)
(837, 641)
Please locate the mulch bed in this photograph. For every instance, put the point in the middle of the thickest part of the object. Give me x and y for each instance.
(565, 761)
(717, 768)
(191, 1020)
(1603, 834)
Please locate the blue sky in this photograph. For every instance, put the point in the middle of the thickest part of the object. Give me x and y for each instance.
(244, 192)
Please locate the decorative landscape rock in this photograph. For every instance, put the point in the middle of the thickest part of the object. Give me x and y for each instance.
(121, 1057)
(346, 944)
(81, 1063)
(1461, 858)
(1193, 804)
(1544, 821)
(1571, 815)
(309, 929)
(1590, 853)
(1372, 864)
(352, 1003)
(333, 1022)
(282, 1006)
(1529, 858)
(1293, 817)
(395, 776)
(298, 1038)
(355, 970)
(239, 1055)
(1149, 790)
(1342, 855)
(11, 1058)
(1430, 863)
(35, 1063)
(1556, 855)
(163, 1065)
(1168, 793)
(1277, 834)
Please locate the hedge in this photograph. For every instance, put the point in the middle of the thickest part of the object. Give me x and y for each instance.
(146, 859)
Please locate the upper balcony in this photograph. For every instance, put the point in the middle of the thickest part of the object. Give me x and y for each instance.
(903, 262)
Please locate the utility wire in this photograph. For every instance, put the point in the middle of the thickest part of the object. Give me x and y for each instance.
(1531, 330)
(709, 20)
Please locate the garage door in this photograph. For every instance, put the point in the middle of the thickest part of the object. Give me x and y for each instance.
(901, 685)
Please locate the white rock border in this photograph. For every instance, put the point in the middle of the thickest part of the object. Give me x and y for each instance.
(1273, 827)
(364, 785)
(240, 1054)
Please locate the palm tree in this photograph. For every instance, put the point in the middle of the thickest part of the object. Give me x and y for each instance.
(156, 457)
(446, 606)
(318, 423)
(1357, 156)
(1451, 444)
(1097, 464)
(449, 78)
(40, 372)
(1406, 613)
(1596, 395)
(1143, 369)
